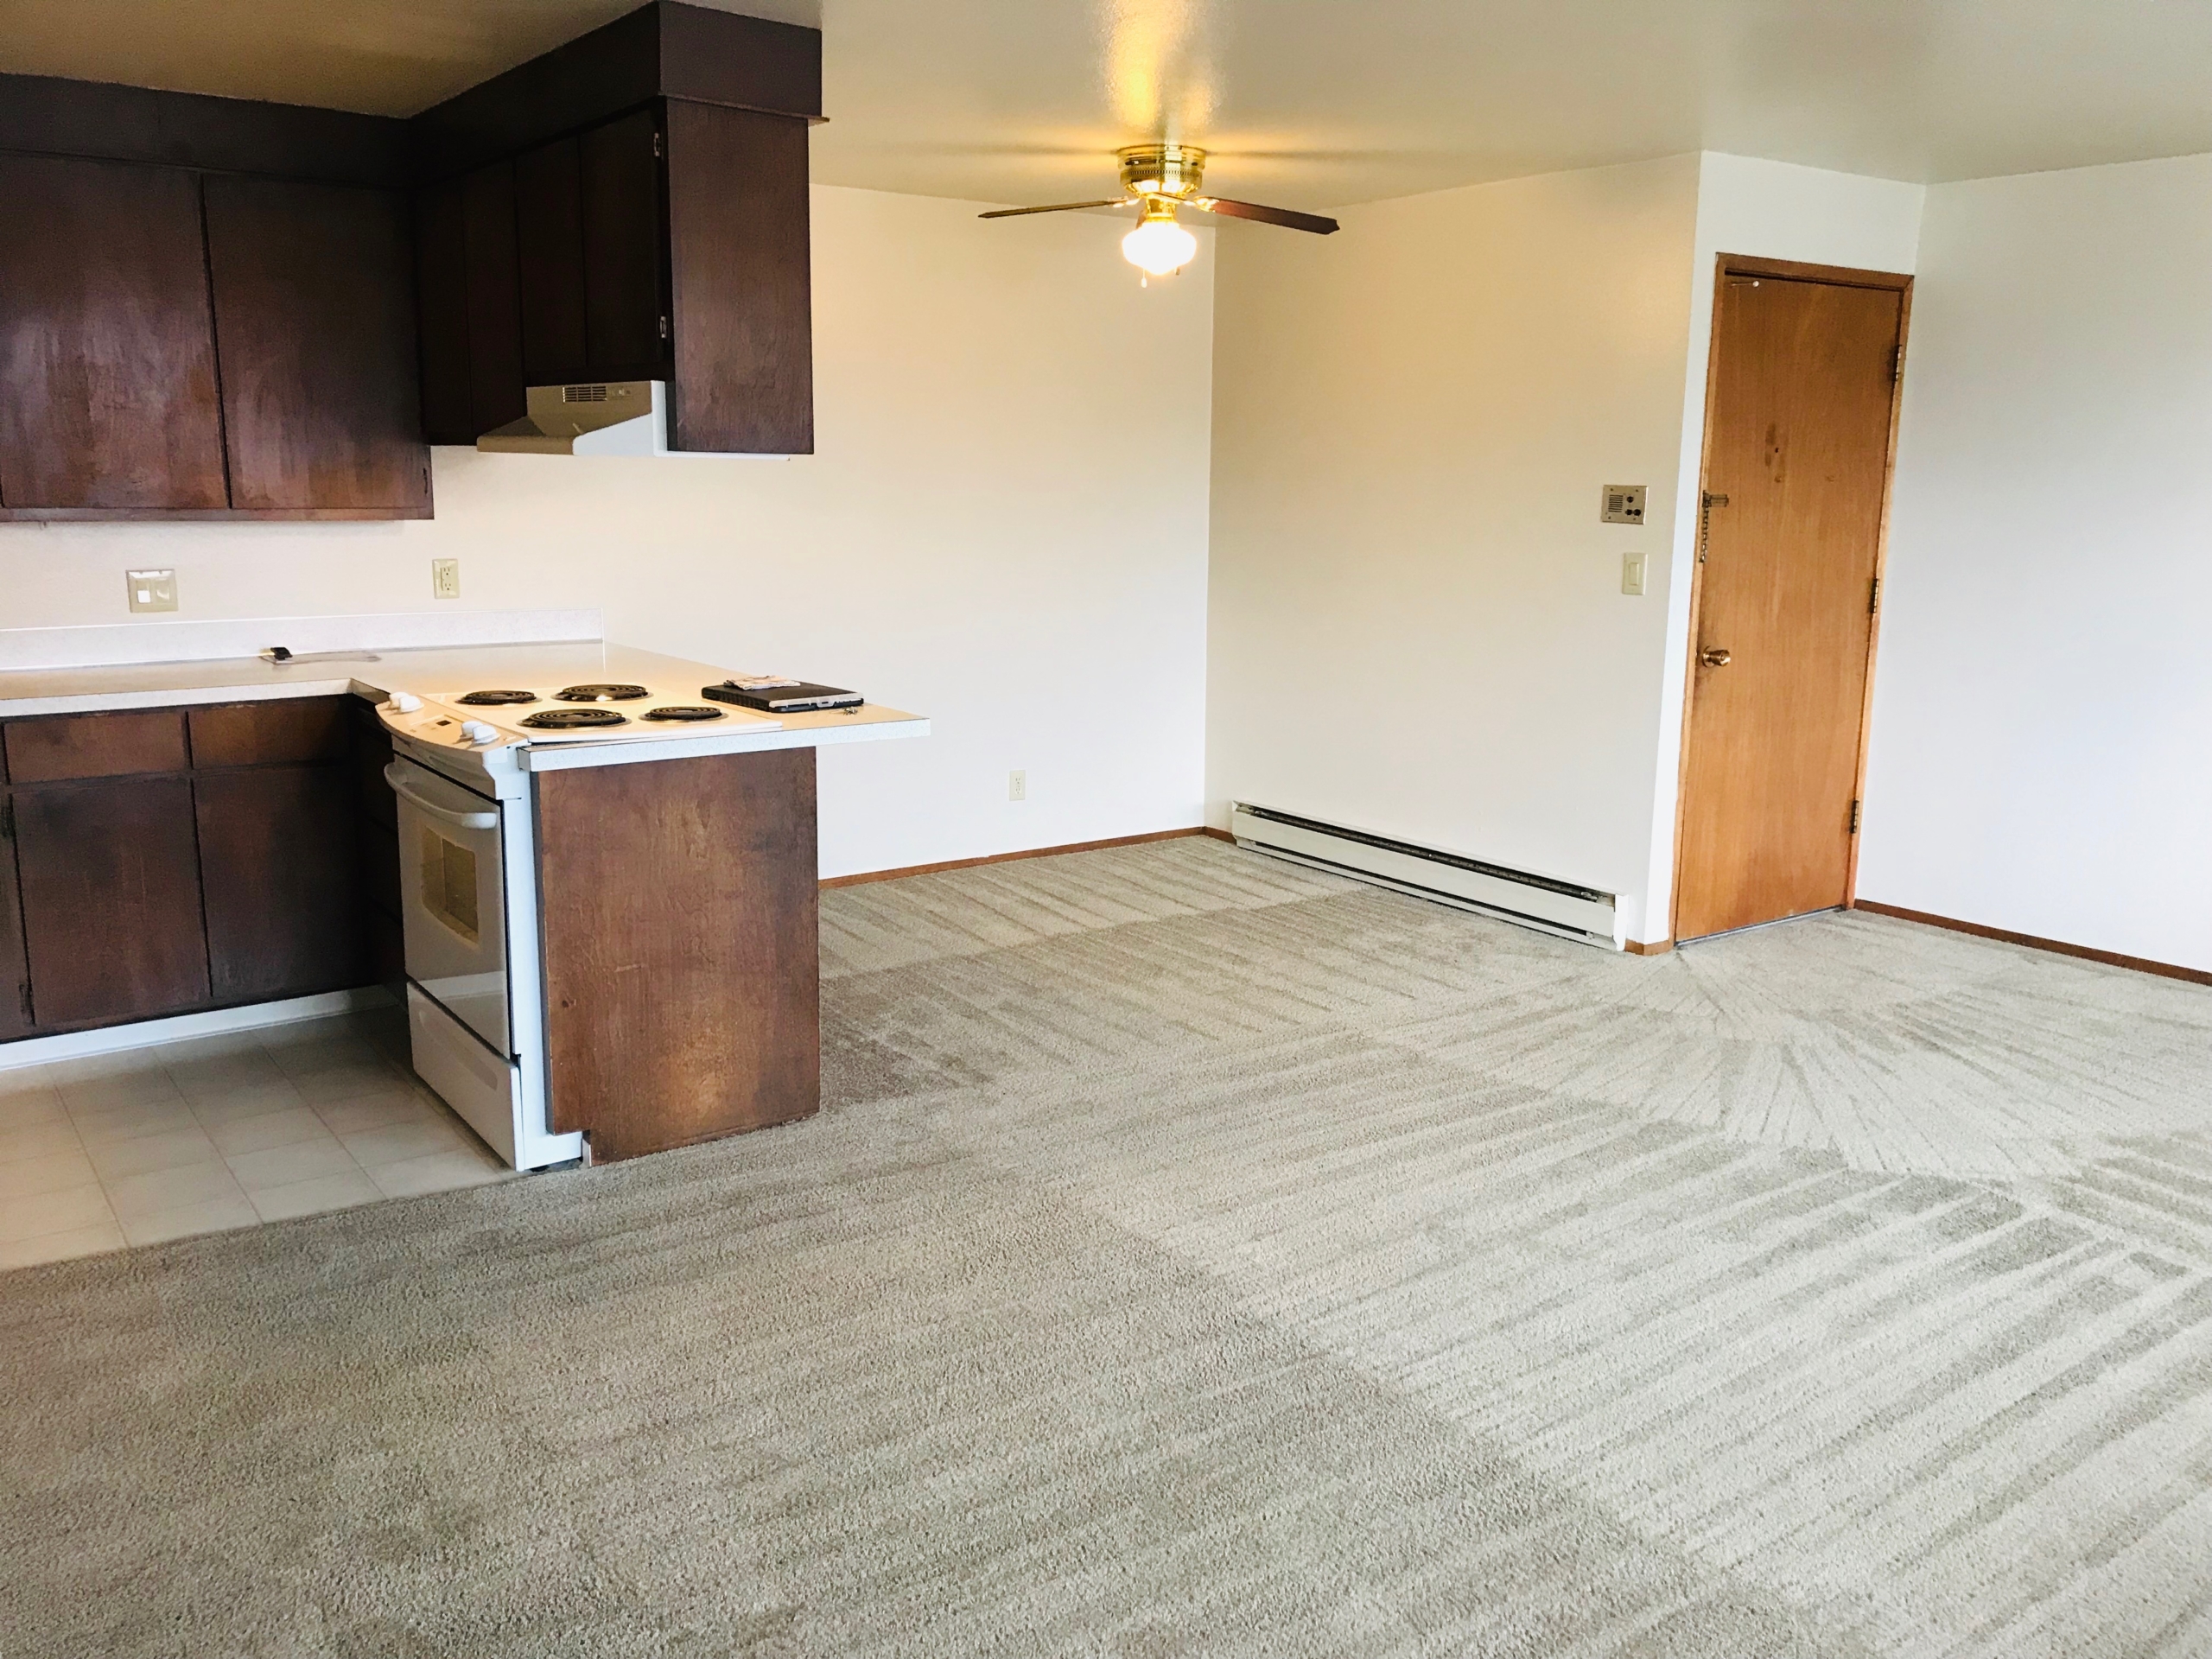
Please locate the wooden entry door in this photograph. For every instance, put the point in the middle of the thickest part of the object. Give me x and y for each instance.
(1798, 437)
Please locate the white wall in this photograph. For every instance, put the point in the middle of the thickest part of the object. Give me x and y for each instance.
(1417, 626)
(1767, 210)
(2044, 694)
(1006, 515)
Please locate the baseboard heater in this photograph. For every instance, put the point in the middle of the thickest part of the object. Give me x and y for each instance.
(1539, 901)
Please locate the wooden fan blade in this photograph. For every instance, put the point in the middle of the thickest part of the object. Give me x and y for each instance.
(1252, 210)
(1057, 207)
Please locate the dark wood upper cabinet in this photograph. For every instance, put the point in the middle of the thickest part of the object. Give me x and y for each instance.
(108, 398)
(206, 309)
(110, 894)
(739, 239)
(314, 316)
(588, 223)
(660, 207)
(626, 292)
(469, 297)
(549, 255)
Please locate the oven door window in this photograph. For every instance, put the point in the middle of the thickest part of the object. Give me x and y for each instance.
(449, 886)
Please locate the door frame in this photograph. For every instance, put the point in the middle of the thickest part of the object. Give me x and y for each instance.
(1735, 264)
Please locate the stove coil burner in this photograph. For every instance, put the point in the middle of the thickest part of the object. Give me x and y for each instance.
(602, 693)
(570, 720)
(681, 711)
(481, 699)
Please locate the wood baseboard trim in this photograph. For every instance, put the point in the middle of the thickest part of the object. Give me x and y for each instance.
(1008, 858)
(1655, 948)
(1219, 835)
(2056, 947)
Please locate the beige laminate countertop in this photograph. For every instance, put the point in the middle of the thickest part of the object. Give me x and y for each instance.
(426, 672)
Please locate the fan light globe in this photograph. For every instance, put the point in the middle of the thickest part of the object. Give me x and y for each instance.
(1160, 247)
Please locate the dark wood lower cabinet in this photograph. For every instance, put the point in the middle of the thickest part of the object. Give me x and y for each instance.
(111, 894)
(681, 946)
(170, 861)
(279, 872)
(15, 970)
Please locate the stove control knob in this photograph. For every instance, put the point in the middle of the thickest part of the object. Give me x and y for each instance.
(479, 732)
(405, 702)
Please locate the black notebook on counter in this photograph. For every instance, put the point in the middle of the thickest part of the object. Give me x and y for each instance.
(775, 696)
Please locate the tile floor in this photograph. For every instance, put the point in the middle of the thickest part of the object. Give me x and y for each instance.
(221, 1131)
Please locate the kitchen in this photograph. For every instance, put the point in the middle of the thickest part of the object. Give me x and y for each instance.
(216, 827)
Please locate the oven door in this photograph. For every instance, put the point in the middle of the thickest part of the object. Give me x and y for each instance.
(453, 899)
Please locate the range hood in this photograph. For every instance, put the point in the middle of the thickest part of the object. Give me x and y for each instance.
(600, 418)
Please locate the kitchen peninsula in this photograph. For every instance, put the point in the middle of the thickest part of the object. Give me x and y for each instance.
(595, 885)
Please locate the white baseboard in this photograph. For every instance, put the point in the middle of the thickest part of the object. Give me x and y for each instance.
(149, 1033)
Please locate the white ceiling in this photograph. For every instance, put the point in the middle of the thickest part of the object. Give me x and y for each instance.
(1307, 103)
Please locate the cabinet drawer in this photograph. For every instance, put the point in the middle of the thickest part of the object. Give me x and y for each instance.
(291, 731)
(66, 747)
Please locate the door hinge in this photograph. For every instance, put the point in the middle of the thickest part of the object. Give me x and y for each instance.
(8, 819)
(1896, 362)
(1874, 599)
(1705, 521)
(1854, 817)
(658, 150)
(663, 327)
(29, 1017)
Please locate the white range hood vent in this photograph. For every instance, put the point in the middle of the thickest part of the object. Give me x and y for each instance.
(600, 418)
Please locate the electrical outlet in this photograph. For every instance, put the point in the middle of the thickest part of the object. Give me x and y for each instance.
(151, 590)
(1017, 785)
(1632, 572)
(445, 578)
(1623, 504)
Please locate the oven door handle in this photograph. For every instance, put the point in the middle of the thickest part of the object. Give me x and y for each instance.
(458, 820)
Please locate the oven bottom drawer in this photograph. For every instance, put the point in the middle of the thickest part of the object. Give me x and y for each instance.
(477, 1083)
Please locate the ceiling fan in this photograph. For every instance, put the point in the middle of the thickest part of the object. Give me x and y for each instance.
(1160, 178)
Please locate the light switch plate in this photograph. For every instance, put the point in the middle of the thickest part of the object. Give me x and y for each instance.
(1623, 504)
(445, 578)
(151, 590)
(1632, 572)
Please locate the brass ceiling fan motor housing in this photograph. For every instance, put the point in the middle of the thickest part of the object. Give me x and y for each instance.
(1176, 171)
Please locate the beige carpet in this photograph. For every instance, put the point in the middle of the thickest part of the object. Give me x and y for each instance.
(1204, 1256)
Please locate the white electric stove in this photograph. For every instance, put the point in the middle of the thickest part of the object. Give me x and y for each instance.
(468, 873)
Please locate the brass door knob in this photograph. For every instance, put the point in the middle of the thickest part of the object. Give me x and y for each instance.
(1714, 657)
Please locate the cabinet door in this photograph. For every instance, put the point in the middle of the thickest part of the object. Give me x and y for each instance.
(314, 307)
(744, 317)
(467, 283)
(626, 299)
(15, 967)
(107, 352)
(278, 862)
(110, 896)
(590, 232)
(550, 235)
